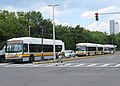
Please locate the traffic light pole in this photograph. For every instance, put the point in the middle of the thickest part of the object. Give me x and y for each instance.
(109, 13)
(97, 14)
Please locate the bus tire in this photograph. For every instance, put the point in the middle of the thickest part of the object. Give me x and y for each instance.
(2, 58)
(31, 58)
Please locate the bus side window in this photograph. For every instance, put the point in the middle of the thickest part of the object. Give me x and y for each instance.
(25, 47)
(58, 48)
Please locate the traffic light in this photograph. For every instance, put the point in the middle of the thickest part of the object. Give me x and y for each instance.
(39, 30)
(42, 30)
(96, 16)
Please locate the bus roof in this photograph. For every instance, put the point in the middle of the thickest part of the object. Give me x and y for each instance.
(95, 45)
(33, 40)
(87, 44)
(108, 45)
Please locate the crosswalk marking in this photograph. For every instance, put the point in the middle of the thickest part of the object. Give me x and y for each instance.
(118, 65)
(92, 65)
(11, 65)
(23, 65)
(3, 64)
(77, 65)
(69, 64)
(49, 65)
(34, 65)
(105, 65)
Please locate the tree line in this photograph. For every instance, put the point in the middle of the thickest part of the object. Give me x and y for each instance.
(17, 24)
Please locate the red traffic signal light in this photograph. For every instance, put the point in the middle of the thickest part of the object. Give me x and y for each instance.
(96, 16)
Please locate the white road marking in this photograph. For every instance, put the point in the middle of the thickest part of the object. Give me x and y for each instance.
(91, 65)
(3, 64)
(78, 65)
(40, 65)
(49, 65)
(118, 65)
(69, 64)
(11, 65)
(23, 65)
(35, 65)
(104, 65)
(60, 65)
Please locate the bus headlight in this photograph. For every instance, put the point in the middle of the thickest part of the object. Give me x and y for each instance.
(20, 56)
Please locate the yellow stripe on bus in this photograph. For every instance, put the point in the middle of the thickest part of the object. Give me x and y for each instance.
(28, 54)
(37, 54)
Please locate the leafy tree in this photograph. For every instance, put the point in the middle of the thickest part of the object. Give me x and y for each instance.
(17, 25)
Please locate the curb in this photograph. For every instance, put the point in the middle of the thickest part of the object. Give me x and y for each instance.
(66, 59)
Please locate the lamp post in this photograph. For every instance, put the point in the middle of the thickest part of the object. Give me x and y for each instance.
(42, 27)
(53, 6)
(29, 30)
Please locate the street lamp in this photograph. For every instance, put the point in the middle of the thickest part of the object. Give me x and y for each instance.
(53, 6)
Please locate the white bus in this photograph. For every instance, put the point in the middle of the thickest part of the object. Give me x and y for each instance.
(30, 49)
(93, 49)
(85, 49)
(109, 49)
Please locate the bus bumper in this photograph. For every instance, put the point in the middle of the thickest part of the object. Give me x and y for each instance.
(13, 60)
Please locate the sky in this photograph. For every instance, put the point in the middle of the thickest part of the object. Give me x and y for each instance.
(70, 12)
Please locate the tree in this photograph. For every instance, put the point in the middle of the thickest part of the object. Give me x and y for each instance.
(17, 25)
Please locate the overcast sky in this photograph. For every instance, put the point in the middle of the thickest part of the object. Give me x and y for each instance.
(70, 12)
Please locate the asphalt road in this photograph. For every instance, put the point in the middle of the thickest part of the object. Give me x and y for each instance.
(102, 75)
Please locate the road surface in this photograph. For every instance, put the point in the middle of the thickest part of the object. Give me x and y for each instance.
(104, 70)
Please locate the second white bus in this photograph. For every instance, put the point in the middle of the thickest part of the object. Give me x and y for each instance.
(94, 49)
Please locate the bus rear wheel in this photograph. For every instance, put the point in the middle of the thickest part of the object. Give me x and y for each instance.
(31, 58)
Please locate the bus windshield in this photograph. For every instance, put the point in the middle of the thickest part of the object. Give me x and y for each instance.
(81, 48)
(14, 48)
